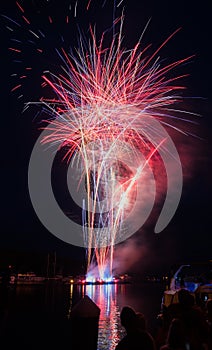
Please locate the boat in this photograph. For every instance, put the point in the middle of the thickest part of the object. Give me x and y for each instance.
(26, 278)
(196, 278)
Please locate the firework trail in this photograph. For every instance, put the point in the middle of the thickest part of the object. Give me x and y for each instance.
(106, 101)
(103, 100)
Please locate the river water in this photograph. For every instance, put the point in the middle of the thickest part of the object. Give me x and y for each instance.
(32, 314)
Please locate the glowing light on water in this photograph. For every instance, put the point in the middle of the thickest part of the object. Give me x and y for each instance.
(105, 296)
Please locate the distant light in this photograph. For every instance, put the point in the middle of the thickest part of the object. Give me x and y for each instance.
(109, 279)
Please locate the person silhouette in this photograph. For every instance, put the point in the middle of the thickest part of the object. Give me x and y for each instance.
(208, 309)
(192, 317)
(176, 338)
(137, 337)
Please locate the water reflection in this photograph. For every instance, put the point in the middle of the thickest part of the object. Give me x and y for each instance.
(105, 297)
(70, 300)
(110, 298)
(46, 308)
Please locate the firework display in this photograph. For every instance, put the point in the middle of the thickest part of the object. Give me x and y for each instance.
(108, 112)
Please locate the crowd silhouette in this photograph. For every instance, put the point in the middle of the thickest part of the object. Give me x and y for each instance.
(182, 325)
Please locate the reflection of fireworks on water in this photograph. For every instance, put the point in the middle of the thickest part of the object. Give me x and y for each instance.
(105, 296)
(104, 98)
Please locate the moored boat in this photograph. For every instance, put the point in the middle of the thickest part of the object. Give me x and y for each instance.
(26, 278)
(196, 278)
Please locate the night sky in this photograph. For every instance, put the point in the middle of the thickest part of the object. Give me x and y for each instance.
(187, 237)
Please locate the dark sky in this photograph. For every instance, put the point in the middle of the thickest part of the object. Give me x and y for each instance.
(187, 237)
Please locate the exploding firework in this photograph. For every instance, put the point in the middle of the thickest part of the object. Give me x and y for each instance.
(102, 115)
(107, 113)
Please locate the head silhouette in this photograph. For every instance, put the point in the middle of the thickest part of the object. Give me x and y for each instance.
(141, 321)
(128, 318)
(185, 298)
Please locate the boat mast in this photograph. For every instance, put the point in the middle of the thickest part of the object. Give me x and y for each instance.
(54, 264)
(47, 270)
